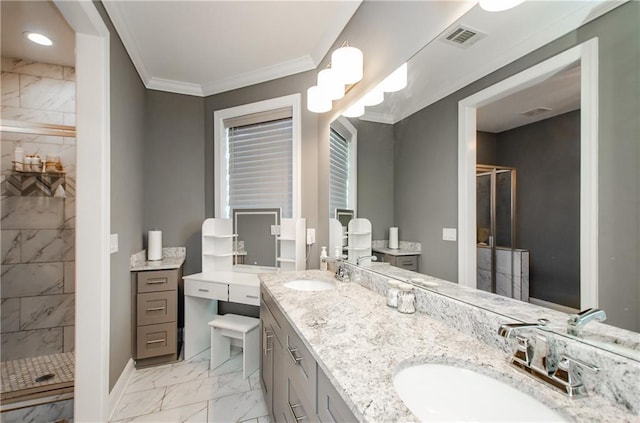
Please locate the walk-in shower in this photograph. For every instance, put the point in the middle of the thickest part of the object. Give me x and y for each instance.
(502, 268)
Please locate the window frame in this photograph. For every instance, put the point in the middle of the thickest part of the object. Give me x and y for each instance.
(221, 151)
(350, 133)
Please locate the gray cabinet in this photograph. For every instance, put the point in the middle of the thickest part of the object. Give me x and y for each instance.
(294, 386)
(405, 262)
(155, 316)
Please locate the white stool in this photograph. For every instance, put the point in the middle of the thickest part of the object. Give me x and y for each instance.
(238, 327)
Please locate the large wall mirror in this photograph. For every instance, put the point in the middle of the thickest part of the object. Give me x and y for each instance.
(548, 219)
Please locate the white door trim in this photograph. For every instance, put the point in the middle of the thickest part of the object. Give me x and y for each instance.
(93, 214)
(587, 54)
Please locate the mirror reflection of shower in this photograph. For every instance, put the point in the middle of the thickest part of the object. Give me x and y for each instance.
(502, 269)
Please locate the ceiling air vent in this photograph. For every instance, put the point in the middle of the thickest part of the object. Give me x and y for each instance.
(462, 36)
(535, 112)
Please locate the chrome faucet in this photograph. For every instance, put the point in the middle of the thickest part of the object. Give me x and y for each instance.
(359, 260)
(342, 274)
(577, 321)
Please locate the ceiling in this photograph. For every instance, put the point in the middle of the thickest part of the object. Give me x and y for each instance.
(207, 47)
(36, 16)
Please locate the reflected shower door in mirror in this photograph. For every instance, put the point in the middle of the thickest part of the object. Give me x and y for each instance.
(502, 269)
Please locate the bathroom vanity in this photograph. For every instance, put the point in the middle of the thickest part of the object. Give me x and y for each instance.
(342, 347)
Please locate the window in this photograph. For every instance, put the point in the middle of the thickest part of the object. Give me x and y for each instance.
(257, 157)
(342, 166)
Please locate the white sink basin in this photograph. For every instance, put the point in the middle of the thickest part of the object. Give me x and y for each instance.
(438, 392)
(310, 285)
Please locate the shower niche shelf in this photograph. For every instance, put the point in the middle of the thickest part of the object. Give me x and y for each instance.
(34, 184)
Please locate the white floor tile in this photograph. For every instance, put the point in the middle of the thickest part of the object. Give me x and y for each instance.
(139, 403)
(237, 408)
(254, 380)
(170, 374)
(204, 389)
(232, 365)
(194, 413)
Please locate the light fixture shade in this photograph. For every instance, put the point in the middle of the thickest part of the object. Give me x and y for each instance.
(373, 97)
(499, 5)
(396, 81)
(38, 38)
(330, 84)
(356, 110)
(317, 100)
(347, 62)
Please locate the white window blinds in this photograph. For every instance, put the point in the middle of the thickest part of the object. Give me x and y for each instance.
(260, 163)
(338, 172)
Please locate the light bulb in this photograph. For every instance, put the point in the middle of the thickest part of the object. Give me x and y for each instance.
(347, 62)
(396, 81)
(317, 100)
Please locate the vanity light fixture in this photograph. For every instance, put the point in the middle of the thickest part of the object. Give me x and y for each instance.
(317, 100)
(373, 97)
(396, 81)
(356, 110)
(38, 38)
(329, 82)
(347, 63)
(499, 5)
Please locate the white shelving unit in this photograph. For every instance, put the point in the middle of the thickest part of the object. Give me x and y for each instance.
(335, 236)
(217, 245)
(359, 238)
(292, 240)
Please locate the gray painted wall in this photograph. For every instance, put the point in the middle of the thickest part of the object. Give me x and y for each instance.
(426, 151)
(375, 176)
(546, 155)
(127, 193)
(173, 172)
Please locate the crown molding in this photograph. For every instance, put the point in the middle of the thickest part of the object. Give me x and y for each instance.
(267, 73)
(379, 118)
(177, 87)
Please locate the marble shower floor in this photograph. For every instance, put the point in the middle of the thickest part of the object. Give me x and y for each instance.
(188, 391)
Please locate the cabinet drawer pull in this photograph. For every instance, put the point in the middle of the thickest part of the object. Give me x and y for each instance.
(203, 290)
(295, 359)
(156, 281)
(291, 407)
(252, 296)
(156, 308)
(157, 341)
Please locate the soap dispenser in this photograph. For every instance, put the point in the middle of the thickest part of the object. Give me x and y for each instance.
(323, 258)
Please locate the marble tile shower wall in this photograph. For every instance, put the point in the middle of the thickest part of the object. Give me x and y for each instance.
(38, 233)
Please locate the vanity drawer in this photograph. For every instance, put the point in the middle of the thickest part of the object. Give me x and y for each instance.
(331, 406)
(297, 407)
(156, 340)
(244, 294)
(157, 280)
(211, 290)
(300, 364)
(407, 262)
(156, 307)
(276, 316)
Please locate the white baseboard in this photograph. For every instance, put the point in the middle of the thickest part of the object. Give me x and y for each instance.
(119, 387)
(553, 306)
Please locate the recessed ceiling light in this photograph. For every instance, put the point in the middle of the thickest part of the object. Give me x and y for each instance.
(38, 38)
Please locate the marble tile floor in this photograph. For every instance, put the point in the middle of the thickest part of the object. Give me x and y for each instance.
(188, 391)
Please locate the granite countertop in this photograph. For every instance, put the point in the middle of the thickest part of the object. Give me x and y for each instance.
(395, 251)
(172, 258)
(360, 344)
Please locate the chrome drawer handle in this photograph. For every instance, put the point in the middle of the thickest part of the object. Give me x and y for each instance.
(157, 341)
(156, 308)
(203, 290)
(155, 281)
(295, 359)
(252, 296)
(291, 407)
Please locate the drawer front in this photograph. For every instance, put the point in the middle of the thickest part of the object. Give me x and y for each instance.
(156, 340)
(157, 280)
(301, 364)
(297, 407)
(276, 317)
(331, 406)
(407, 262)
(244, 294)
(211, 290)
(156, 307)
